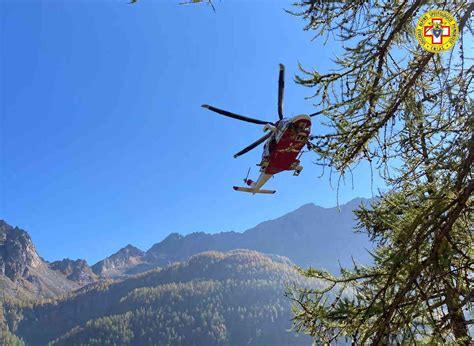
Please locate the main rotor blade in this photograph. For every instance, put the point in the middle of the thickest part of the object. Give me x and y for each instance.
(253, 145)
(237, 116)
(281, 88)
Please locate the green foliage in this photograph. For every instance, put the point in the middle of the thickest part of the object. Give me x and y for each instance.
(409, 113)
(212, 299)
(6, 337)
(198, 312)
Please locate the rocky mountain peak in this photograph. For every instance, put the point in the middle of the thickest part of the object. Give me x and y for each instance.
(129, 250)
(22, 271)
(17, 253)
(117, 263)
(75, 270)
(168, 244)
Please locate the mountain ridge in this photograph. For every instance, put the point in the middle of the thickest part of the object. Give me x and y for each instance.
(301, 229)
(75, 270)
(23, 273)
(124, 258)
(309, 236)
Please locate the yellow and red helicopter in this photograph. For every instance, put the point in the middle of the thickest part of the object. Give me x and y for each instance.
(283, 143)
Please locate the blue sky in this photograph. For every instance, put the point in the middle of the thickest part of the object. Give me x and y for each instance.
(102, 139)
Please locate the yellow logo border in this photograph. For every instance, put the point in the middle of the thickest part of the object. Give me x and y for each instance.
(425, 20)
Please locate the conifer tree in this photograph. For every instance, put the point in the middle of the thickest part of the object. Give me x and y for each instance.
(410, 114)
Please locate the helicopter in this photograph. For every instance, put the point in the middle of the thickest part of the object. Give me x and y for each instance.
(283, 143)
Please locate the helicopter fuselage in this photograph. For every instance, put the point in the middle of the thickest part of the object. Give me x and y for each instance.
(281, 152)
(282, 149)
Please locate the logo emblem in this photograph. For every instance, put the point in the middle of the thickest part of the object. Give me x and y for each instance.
(437, 31)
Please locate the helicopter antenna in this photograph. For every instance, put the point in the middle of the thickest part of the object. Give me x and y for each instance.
(248, 172)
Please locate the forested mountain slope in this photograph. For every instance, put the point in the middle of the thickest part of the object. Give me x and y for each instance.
(211, 299)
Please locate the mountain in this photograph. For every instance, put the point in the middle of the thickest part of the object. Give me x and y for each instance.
(309, 236)
(120, 262)
(213, 298)
(187, 289)
(77, 271)
(23, 273)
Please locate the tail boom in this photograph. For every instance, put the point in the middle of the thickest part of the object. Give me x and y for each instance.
(256, 185)
(253, 190)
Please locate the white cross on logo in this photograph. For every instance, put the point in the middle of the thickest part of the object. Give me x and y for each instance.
(437, 31)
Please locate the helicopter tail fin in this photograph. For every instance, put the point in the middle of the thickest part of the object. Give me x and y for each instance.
(253, 190)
